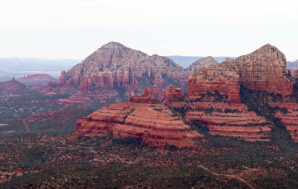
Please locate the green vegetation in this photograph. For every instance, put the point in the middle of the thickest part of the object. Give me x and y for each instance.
(87, 176)
(257, 101)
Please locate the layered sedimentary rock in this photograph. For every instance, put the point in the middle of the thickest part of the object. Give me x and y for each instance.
(288, 115)
(226, 119)
(201, 63)
(154, 124)
(37, 79)
(222, 79)
(214, 100)
(263, 70)
(116, 67)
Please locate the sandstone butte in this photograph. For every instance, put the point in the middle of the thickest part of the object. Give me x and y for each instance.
(212, 100)
(218, 87)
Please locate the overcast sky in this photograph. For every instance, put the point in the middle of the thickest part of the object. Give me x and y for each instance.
(76, 28)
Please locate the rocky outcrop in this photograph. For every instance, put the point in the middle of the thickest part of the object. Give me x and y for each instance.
(220, 80)
(145, 98)
(37, 79)
(118, 68)
(265, 70)
(173, 94)
(226, 119)
(201, 63)
(213, 98)
(154, 124)
(12, 87)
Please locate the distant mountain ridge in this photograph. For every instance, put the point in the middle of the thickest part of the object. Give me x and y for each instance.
(19, 67)
(37, 79)
(186, 61)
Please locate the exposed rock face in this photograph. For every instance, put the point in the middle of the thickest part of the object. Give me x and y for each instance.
(116, 67)
(173, 94)
(37, 79)
(214, 101)
(155, 124)
(145, 98)
(202, 63)
(12, 87)
(222, 79)
(226, 119)
(264, 70)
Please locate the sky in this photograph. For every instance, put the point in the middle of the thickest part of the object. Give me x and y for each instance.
(76, 28)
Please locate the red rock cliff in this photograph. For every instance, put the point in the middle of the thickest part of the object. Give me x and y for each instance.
(155, 124)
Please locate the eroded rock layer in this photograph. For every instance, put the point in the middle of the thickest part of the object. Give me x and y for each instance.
(155, 124)
(288, 115)
(228, 120)
(263, 70)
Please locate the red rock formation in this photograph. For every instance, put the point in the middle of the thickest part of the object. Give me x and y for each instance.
(226, 119)
(265, 70)
(173, 94)
(222, 79)
(155, 124)
(115, 67)
(37, 79)
(145, 98)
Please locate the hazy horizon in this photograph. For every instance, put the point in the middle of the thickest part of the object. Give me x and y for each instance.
(67, 29)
